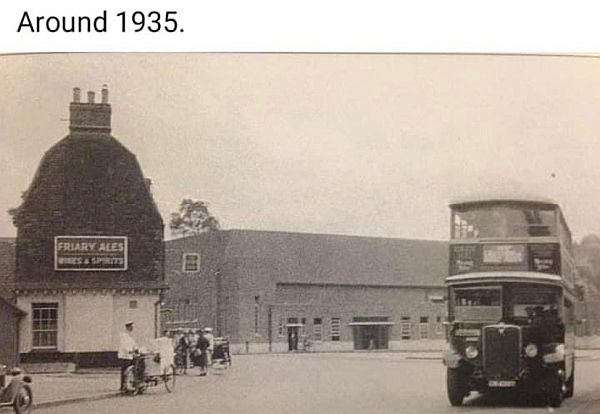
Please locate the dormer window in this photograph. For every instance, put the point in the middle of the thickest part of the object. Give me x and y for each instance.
(191, 262)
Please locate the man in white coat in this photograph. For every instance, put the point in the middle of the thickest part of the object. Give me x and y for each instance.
(127, 348)
(211, 344)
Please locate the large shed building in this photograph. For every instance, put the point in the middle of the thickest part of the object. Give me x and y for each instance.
(271, 291)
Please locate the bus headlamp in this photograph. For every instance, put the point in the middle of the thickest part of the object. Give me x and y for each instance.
(471, 352)
(531, 350)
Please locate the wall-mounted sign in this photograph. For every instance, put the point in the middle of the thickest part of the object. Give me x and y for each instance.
(90, 253)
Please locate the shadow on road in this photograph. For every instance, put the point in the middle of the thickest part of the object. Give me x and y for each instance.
(498, 399)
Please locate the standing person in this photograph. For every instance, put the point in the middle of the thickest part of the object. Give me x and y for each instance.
(186, 345)
(177, 336)
(201, 353)
(211, 344)
(181, 350)
(127, 347)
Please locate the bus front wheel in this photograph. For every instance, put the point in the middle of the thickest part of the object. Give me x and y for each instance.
(456, 384)
(554, 390)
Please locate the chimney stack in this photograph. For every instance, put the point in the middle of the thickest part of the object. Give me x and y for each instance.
(104, 94)
(90, 117)
(76, 95)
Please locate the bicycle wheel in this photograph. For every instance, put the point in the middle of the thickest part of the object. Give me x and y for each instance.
(169, 378)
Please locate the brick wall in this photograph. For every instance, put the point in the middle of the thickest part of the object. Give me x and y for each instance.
(346, 302)
(239, 291)
(192, 300)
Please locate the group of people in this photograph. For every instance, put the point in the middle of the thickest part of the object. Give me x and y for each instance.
(195, 348)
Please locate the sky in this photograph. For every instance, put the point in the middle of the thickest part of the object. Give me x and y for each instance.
(370, 144)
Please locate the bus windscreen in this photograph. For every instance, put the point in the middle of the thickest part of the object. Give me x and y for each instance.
(501, 221)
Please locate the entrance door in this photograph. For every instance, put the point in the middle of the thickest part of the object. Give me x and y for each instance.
(371, 337)
(293, 333)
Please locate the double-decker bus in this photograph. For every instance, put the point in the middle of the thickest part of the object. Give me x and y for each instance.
(511, 302)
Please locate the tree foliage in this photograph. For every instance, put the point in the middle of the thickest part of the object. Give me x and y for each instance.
(192, 218)
(13, 212)
(588, 262)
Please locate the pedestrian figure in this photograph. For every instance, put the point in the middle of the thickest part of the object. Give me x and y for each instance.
(201, 354)
(211, 345)
(184, 348)
(191, 346)
(127, 347)
(181, 350)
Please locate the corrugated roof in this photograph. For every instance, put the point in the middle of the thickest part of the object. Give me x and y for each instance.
(327, 258)
(502, 199)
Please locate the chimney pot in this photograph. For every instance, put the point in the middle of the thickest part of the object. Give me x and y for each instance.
(89, 118)
(104, 94)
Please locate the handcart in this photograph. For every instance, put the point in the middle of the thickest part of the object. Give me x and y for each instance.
(148, 370)
(221, 357)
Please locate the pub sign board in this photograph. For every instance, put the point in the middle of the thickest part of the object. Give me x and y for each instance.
(90, 253)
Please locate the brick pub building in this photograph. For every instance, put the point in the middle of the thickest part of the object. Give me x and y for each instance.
(262, 289)
(89, 247)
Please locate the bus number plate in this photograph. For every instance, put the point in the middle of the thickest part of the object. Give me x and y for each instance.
(502, 384)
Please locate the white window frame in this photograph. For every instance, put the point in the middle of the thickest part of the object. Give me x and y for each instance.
(405, 328)
(40, 306)
(184, 259)
(317, 334)
(335, 330)
(424, 328)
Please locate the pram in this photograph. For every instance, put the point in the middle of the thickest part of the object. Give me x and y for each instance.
(221, 358)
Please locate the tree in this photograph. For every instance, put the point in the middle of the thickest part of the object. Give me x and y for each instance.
(192, 218)
(14, 212)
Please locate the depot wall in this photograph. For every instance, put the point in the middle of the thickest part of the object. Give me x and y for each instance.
(347, 302)
(305, 302)
(240, 290)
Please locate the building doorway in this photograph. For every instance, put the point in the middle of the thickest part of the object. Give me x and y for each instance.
(293, 335)
(371, 333)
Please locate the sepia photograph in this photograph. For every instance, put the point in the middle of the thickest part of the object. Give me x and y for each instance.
(303, 233)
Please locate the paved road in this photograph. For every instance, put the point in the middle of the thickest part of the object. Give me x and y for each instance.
(330, 384)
